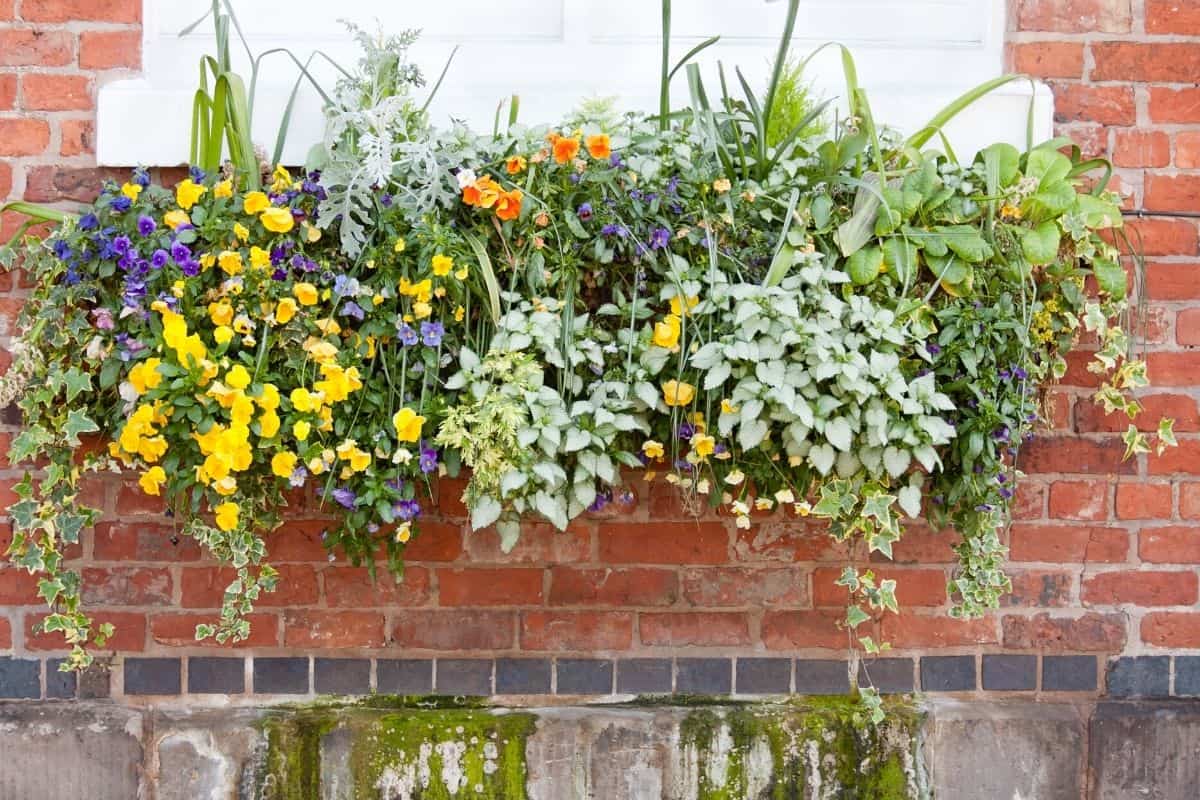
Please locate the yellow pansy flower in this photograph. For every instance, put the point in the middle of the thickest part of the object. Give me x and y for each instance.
(173, 219)
(703, 445)
(207, 260)
(241, 411)
(131, 190)
(269, 399)
(301, 429)
(407, 424)
(220, 312)
(285, 310)
(666, 333)
(652, 449)
(728, 407)
(404, 532)
(311, 233)
(226, 486)
(277, 220)
(241, 231)
(255, 203)
(145, 375)
(677, 305)
(462, 273)
(152, 481)
(306, 293)
(678, 393)
(422, 309)
(223, 189)
(223, 334)
(283, 464)
(227, 516)
(242, 324)
(303, 400)
(259, 258)
(459, 313)
(268, 425)
(187, 193)
(442, 265)
(230, 262)
(238, 377)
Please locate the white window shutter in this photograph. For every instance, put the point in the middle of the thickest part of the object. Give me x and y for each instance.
(913, 56)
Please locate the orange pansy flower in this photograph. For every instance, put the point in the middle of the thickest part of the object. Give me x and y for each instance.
(508, 206)
(599, 146)
(565, 149)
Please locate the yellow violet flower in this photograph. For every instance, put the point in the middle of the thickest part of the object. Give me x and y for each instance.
(173, 219)
(408, 425)
(223, 334)
(652, 449)
(703, 445)
(285, 310)
(242, 324)
(277, 220)
(303, 400)
(145, 375)
(226, 486)
(230, 262)
(306, 293)
(404, 532)
(459, 313)
(728, 407)
(187, 193)
(259, 258)
(269, 399)
(238, 377)
(283, 464)
(241, 231)
(442, 265)
(241, 411)
(131, 190)
(227, 516)
(255, 203)
(223, 189)
(666, 333)
(311, 233)
(422, 309)
(301, 429)
(678, 393)
(220, 312)
(677, 305)
(152, 481)
(268, 425)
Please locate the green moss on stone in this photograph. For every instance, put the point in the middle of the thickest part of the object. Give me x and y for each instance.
(293, 762)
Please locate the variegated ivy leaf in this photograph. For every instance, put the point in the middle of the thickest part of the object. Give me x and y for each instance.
(1166, 434)
(1135, 442)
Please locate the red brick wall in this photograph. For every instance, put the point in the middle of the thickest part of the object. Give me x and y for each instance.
(1104, 553)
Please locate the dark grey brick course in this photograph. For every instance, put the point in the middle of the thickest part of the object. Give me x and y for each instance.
(59, 685)
(821, 676)
(1187, 676)
(888, 675)
(703, 675)
(523, 675)
(1009, 673)
(764, 675)
(465, 676)
(344, 676)
(1139, 676)
(281, 675)
(215, 675)
(644, 676)
(404, 676)
(20, 678)
(152, 676)
(1068, 673)
(585, 676)
(948, 673)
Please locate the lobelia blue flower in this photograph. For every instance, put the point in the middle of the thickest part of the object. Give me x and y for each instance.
(146, 225)
(432, 333)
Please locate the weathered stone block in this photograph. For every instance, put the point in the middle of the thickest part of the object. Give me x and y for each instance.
(1145, 750)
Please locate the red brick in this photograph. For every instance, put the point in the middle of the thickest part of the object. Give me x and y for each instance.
(1172, 192)
(738, 586)
(613, 586)
(18, 587)
(1029, 501)
(78, 137)
(1140, 148)
(179, 630)
(921, 545)
(1143, 501)
(1159, 62)
(204, 587)
(1173, 16)
(110, 49)
(127, 586)
(435, 541)
(913, 630)
(1187, 149)
(46, 184)
(1170, 544)
(1180, 407)
(5, 634)
(55, 92)
(298, 540)
(1184, 459)
(1090, 632)
(1074, 16)
(28, 47)
(576, 631)
(1079, 500)
(1189, 500)
(142, 541)
(479, 586)
(539, 544)
(81, 10)
(803, 630)
(23, 136)
(1173, 281)
(1141, 588)
(1187, 328)
(788, 542)
(664, 543)
(1069, 454)
(8, 91)
(914, 587)
(1176, 629)
(694, 629)
(1163, 237)
(466, 629)
(1038, 589)
(1106, 105)
(129, 632)
(1048, 59)
(1091, 138)
(352, 587)
(335, 629)
(1068, 544)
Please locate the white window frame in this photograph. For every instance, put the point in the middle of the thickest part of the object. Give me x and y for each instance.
(913, 56)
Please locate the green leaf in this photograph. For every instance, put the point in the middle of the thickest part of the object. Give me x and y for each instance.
(966, 242)
(855, 616)
(78, 422)
(1110, 275)
(1006, 160)
(1040, 244)
(864, 265)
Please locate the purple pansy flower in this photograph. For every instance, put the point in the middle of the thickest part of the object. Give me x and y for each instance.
(432, 333)
(584, 212)
(428, 461)
(659, 238)
(160, 258)
(146, 225)
(408, 337)
(345, 497)
(353, 309)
